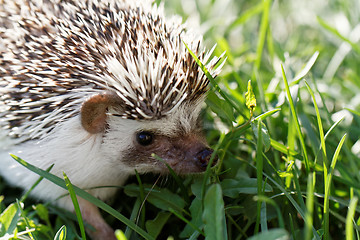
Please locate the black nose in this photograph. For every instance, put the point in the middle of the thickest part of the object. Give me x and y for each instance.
(203, 157)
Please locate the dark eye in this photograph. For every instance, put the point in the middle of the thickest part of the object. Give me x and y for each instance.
(144, 138)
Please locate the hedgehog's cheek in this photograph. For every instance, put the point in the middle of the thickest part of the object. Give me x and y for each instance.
(93, 111)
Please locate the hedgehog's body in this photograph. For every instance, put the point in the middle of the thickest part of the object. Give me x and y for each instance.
(95, 87)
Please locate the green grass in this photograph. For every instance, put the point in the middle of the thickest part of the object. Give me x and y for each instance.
(288, 168)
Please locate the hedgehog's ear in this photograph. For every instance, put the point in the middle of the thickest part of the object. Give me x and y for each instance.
(93, 111)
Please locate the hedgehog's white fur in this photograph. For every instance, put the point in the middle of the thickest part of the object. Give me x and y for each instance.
(56, 55)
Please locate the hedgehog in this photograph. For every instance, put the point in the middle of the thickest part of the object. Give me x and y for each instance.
(96, 88)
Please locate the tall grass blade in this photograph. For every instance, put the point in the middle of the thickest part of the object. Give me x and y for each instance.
(309, 207)
(76, 205)
(327, 187)
(134, 212)
(262, 34)
(306, 69)
(296, 119)
(259, 172)
(321, 130)
(350, 218)
(266, 114)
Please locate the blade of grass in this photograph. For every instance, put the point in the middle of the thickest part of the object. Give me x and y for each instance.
(81, 193)
(306, 69)
(24, 197)
(352, 159)
(264, 25)
(236, 225)
(238, 130)
(249, 13)
(338, 200)
(141, 214)
(208, 168)
(350, 219)
(262, 34)
(275, 205)
(263, 218)
(296, 119)
(309, 207)
(194, 236)
(291, 143)
(186, 221)
(61, 233)
(296, 174)
(134, 213)
(323, 149)
(350, 182)
(259, 174)
(321, 130)
(327, 187)
(353, 111)
(212, 80)
(76, 205)
(292, 227)
(332, 128)
(266, 114)
(285, 150)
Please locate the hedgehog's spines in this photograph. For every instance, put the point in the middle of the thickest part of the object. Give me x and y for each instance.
(66, 51)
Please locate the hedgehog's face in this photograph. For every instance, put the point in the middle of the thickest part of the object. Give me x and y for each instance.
(176, 140)
(183, 152)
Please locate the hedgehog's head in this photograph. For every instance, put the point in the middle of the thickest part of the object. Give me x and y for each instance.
(151, 105)
(134, 131)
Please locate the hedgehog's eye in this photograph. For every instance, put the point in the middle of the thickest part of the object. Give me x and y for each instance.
(144, 138)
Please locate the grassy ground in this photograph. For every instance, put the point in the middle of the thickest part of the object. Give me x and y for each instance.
(293, 172)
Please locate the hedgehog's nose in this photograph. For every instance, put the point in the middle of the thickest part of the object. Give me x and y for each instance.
(203, 157)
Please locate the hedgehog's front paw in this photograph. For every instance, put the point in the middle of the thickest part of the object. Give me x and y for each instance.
(105, 233)
(100, 229)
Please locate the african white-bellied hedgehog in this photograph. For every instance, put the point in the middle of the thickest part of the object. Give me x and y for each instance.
(95, 87)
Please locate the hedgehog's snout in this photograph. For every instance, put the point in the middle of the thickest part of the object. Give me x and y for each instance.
(184, 153)
(197, 154)
(203, 158)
